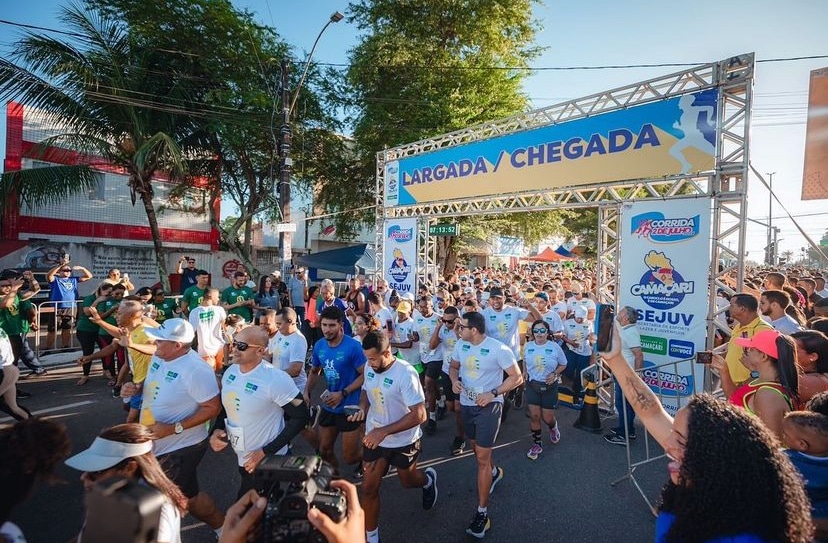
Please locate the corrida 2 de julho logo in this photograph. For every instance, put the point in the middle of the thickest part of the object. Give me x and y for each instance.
(661, 286)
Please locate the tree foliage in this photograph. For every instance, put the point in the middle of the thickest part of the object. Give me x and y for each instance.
(100, 86)
(423, 68)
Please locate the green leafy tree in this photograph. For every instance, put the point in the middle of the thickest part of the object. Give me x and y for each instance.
(424, 68)
(103, 87)
(239, 81)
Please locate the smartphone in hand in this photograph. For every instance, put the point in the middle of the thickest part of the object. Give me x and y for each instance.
(704, 357)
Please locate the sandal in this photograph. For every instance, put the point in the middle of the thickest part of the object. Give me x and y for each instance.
(82, 381)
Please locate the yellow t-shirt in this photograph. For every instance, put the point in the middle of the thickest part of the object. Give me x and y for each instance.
(738, 372)
(138, 361)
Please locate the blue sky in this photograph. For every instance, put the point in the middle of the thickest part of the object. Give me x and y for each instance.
(604, 32)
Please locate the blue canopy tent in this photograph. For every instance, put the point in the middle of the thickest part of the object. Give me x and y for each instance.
(346, 260)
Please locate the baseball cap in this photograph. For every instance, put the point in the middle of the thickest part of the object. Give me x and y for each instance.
(580, 312)
(496, 291)
(542, 296)
(404, 307)
(105, 453)
(468, 290)
(172, 330)
(764, 341)
(408, 296)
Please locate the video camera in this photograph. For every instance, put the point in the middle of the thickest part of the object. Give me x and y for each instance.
(308, 485)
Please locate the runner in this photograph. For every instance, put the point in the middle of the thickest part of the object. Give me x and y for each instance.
(443, 339)
(545, 361)
(392, 404)
(425, 323)
(342, 361)
(262, 409)
(477, 367)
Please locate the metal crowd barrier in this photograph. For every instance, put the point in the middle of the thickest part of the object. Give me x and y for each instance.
(46, 314)
(652, 450)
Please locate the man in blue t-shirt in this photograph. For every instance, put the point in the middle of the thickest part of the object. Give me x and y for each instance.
(63, 289)
(340, 360)
(188, 274)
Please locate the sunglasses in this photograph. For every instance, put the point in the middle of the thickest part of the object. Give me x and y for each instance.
(66, 270)
(461, 326)
(448, 321)
(441, 299)
(242, 346)
(540, 331)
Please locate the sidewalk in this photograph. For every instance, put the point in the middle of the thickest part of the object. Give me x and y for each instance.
(57, 360)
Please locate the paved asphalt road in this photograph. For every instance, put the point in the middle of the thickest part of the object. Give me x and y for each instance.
(565, 496)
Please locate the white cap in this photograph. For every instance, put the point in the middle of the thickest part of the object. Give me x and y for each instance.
(104, 453)
(407, 296)
(172, 330)
(468, 290)
(580, 312)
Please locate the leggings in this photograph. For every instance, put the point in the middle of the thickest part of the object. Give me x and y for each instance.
(109, 362)
(87, 341)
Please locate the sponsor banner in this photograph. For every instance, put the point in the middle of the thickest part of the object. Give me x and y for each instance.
(673, 136)
(663, 274)
(400, 254)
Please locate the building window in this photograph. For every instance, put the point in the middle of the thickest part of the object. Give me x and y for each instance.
(98, 191)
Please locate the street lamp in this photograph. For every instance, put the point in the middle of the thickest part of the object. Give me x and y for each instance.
(283, 186)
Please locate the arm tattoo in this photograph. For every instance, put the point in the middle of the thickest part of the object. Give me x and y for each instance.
(639, 394)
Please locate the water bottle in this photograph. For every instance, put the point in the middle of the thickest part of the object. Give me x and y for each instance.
(332, 379)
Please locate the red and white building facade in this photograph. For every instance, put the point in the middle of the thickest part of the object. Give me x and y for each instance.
(100, 228)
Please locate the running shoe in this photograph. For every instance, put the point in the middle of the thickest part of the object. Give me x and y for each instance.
(554, 434)
(430, 492)
(615, 439)
(496, 479)
(359, 473)
(458, 446)
(534, 451)
(479, 526)
(621, 433)
(431, 427)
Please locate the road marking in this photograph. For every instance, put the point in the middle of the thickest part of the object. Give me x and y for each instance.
(52, 409)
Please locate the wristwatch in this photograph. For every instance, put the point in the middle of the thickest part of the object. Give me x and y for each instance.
(495, 393)
(179, 427)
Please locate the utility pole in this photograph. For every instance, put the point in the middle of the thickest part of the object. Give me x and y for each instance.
(285, 165)
(286, 133)
(771, 247)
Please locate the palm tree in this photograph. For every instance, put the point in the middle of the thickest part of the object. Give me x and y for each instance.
(116, 101)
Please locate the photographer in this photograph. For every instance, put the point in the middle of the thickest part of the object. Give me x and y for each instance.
(126, 451)
(245, 515)
(256, 396)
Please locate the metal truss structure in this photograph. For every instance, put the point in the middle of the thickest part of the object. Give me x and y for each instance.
(726, 185)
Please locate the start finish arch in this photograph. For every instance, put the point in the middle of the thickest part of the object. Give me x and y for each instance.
(497, 186)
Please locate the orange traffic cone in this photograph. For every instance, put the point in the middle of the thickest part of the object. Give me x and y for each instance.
(589, 419)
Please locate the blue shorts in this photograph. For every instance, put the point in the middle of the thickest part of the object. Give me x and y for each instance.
(136, 401)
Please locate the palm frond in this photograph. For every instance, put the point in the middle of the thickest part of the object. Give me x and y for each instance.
(37, 187)
(161, 152)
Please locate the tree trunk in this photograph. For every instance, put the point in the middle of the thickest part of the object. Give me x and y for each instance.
(145, 189)
(446, 254)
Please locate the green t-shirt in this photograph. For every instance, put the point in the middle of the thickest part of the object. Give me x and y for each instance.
(193, 296)
(10, 319)
(233, 295)
(165, 310)
(26, 307)
(84, 324)
(105, 306)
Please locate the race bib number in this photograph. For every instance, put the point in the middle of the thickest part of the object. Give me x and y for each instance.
(235, 436)
(470, 394)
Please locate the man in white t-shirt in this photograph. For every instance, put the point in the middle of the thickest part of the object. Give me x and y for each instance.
(579, 299)
(548, 315)
(425, 322)
(289, 348)
(207, 319)
(502, 321)
(392, 404)
(443, 341)
(181, 396)
(256, 397)
(477, 366)
(578, 338)
(632, 353)
(383, 314)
